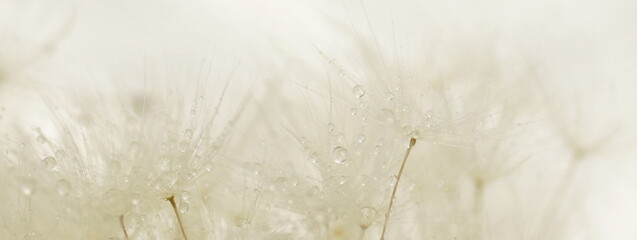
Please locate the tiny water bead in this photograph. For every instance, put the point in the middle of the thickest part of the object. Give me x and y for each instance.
(49, 163)
(27, 186)
(387, 115)
(184, 207)
(314, 157)
(183, 146)
(185, 195)
(208, 167)
(361, 138)
(393, 181)
(188, 133)
(389, 96)
(63, 187)
(41, 139)
(368, 216)
(429, 114)
(339, 155)
(60, 154)
(330, 127)
(358, 91)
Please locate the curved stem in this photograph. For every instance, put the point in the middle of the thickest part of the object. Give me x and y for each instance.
(121, 224)
(412, 142)
(171, 199)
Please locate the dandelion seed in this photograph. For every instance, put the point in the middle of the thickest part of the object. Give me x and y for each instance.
(412, 142)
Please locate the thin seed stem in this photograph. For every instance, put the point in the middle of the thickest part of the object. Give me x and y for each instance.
(171, 199)
(121, 224)
(412, 142)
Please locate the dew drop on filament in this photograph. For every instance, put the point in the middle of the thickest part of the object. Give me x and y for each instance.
(358, 91)
(63, 187)
(339, 155)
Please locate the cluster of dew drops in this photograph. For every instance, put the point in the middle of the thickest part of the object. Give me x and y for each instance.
(28, 185)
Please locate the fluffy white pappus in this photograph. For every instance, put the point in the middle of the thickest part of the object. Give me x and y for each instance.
(345, 120)
(488, 111)
(119, 166)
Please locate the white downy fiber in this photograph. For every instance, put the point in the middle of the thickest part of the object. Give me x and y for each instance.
(339, 119)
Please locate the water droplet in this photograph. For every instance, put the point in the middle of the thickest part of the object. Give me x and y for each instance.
(393, 181)
(184, 146)
(387, 115)
(60, 154)
(41, 139)
(49, 163)
(368, 216)
(339, 155)
(314, 157)
(27, 186)
(361, 138)
(342, 180)
(429, 114)
(188, 133)
(377, 150)
(196, 159)
(63, 187)
(184, 207)
(208, 167)
(185, 195)
(340, 138)
(414, 134)
(405, 108)
(358, 91)
(389, 96)
(354, 111)
(330, 127)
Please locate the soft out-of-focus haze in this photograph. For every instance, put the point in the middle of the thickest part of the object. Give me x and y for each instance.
(290, 119)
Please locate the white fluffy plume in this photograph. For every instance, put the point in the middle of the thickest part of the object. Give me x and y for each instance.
(317, 120)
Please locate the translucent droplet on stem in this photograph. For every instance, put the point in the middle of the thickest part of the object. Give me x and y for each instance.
(339, 155)
(358, 91)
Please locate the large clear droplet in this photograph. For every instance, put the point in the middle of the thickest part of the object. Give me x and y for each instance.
(339, 155)
(358, 91)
